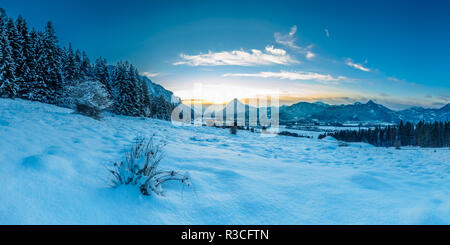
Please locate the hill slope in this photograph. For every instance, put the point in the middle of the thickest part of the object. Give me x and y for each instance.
(157, 90)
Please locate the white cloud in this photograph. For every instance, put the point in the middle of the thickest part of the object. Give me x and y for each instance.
(293, 30)
(357, 66)
(401, 81)
(287, 40)
(298, 75)
(394, 79)
(327, 32)
(275, 51)
(310, 55)
(271, 56)
(150, 75)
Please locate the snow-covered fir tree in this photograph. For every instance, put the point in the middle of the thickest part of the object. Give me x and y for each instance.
(38, 90)
(13, 38)
(24, 65)
(52, 63)
(101, 73)
(78, 76)
(146, 103)
(69, 65)
(85, 66)
(8, 86)
(160, 108)
(125, 91)
(141, 92)
(17, 48)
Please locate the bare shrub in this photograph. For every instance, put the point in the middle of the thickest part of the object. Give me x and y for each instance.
(87, 110)
(89, 98)
(141, 168)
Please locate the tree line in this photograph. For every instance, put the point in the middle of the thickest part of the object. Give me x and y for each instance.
(422, 134)
(33, 66)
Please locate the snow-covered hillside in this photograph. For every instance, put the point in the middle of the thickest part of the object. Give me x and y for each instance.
(53, 171)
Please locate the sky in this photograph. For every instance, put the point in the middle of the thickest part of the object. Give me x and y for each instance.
(396, 53)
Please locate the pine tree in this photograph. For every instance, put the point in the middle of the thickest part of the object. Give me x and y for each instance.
(101, 73)
(38, 88)
(446, 134)
(16, 44)
(78, 75)
(25, 65)
(160, 108)
(127, 91)
(85, 67)
(13, 36)
(8, 86)
(119, 93)
(146, 104)
(70, 67)
(52, 64)
(143, 94)
(133, 91)
(139, 91)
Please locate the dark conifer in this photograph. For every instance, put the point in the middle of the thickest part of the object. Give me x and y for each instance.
(8, 86)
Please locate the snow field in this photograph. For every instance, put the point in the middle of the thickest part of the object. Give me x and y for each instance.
(53, 171)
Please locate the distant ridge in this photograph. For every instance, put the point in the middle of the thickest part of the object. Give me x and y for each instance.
(360, 112)
(369, 112)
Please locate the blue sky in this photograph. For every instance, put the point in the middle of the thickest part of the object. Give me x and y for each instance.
(394, 52)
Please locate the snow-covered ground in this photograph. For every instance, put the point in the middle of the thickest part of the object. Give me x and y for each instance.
(53, 171)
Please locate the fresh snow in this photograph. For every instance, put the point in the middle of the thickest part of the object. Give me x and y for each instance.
(54, 171)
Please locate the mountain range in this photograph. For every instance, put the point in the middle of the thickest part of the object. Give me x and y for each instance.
(360, 112)
(369, 112)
